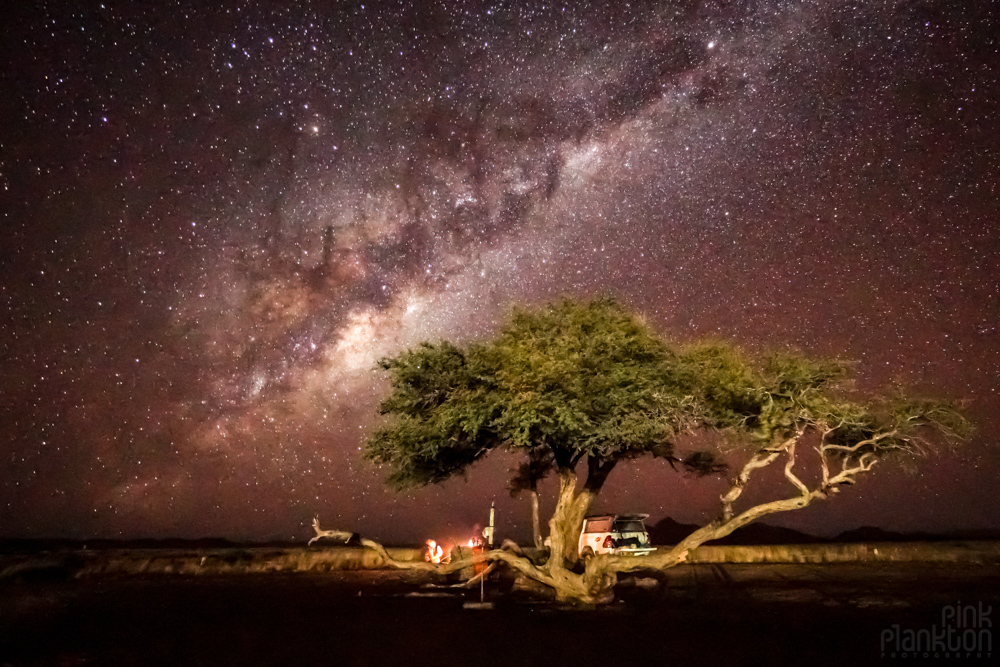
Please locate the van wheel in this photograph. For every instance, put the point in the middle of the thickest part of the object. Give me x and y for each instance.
(587, 554)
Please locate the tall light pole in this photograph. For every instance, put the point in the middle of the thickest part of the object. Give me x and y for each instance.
(488, 534)
(488, 530)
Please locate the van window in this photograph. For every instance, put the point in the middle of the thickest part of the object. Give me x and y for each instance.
(629, 527)
(598, 525)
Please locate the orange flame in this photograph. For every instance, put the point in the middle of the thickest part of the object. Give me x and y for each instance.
(435, 554)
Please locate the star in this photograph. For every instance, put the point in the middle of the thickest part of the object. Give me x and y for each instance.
(258, 230)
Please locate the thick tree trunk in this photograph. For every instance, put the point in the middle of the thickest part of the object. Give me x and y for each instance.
(567, 521)
(596, 584)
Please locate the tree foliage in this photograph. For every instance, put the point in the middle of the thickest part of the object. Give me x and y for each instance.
(569, 381)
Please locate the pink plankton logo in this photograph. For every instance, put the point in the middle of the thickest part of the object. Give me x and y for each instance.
(965, 631)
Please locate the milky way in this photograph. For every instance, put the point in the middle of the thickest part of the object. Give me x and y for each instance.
(218, 217)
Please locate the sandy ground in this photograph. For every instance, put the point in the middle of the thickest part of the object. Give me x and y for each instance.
(699, 614)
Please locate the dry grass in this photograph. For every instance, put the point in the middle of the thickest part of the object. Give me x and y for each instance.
(306, 559)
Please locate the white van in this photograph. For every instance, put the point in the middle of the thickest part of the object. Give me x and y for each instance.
(620, 534)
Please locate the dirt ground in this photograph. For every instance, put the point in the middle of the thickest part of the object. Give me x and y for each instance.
(698, 614)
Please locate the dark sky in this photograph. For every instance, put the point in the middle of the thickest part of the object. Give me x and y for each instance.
(218, 215)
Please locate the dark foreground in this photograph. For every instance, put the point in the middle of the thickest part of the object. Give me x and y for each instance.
(699, 614)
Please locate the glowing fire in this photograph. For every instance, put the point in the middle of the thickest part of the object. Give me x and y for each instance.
(435, 554)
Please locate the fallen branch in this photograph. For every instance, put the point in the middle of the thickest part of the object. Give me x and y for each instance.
(469, 583)
(509, 553)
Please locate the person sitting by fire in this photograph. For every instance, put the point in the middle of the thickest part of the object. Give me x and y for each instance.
(434, 553)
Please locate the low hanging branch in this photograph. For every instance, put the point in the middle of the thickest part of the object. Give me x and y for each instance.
(854, 459)
(335, 534)
(509, 553)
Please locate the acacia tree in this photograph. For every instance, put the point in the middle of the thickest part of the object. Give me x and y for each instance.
(580, 387)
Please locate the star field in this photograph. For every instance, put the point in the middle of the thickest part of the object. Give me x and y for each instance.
(218, 216)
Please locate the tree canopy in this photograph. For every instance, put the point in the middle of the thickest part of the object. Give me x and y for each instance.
(588, 379)
(565, 382)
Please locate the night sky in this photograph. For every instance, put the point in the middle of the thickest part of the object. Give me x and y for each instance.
(217, 216)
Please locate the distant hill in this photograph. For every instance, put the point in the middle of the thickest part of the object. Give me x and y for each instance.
(668, 531)
(28, 546)
(872, 534)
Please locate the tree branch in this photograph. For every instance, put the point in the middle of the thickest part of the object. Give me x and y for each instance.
(873, 441)
(469, 583)
(763, 458)
(509, 553)
(597, 472)
(729, 523)
(335, 534)
(790, 475)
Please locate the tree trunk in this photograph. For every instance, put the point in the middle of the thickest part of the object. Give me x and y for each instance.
(536, 530)
(596, 584)
(567, 521)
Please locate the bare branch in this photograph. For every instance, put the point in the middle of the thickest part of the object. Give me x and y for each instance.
(729, 523)
(469, 583)
(790, 475)
(335, 534)
(820, 449)
(847, 475)
(873, 441)
(764, 457)
(517, 560)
